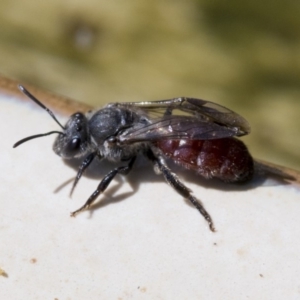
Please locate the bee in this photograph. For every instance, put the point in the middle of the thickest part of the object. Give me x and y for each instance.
(196, 134)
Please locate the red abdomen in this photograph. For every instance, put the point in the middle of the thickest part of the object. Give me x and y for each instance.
(227, 159)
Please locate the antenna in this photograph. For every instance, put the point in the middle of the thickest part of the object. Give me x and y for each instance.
(34, 137)
(29, 95)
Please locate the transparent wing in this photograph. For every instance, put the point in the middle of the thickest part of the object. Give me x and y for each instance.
(185, 118)
(198, 108)
(176, 127)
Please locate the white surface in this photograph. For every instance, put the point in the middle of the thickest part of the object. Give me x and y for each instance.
(145, 241)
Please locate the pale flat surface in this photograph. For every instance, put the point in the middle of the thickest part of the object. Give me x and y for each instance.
(144, 242)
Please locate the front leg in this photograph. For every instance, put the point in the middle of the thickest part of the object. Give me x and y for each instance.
(124, 170)
(86, 162)
(179, 187)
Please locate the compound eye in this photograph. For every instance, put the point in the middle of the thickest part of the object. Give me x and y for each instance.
(73, 146)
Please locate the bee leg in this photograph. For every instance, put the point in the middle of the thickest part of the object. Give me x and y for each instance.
(87, 161)
(179, 187)
(124, 170)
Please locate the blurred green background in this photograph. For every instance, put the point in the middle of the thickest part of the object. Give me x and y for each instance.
(244, 55)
